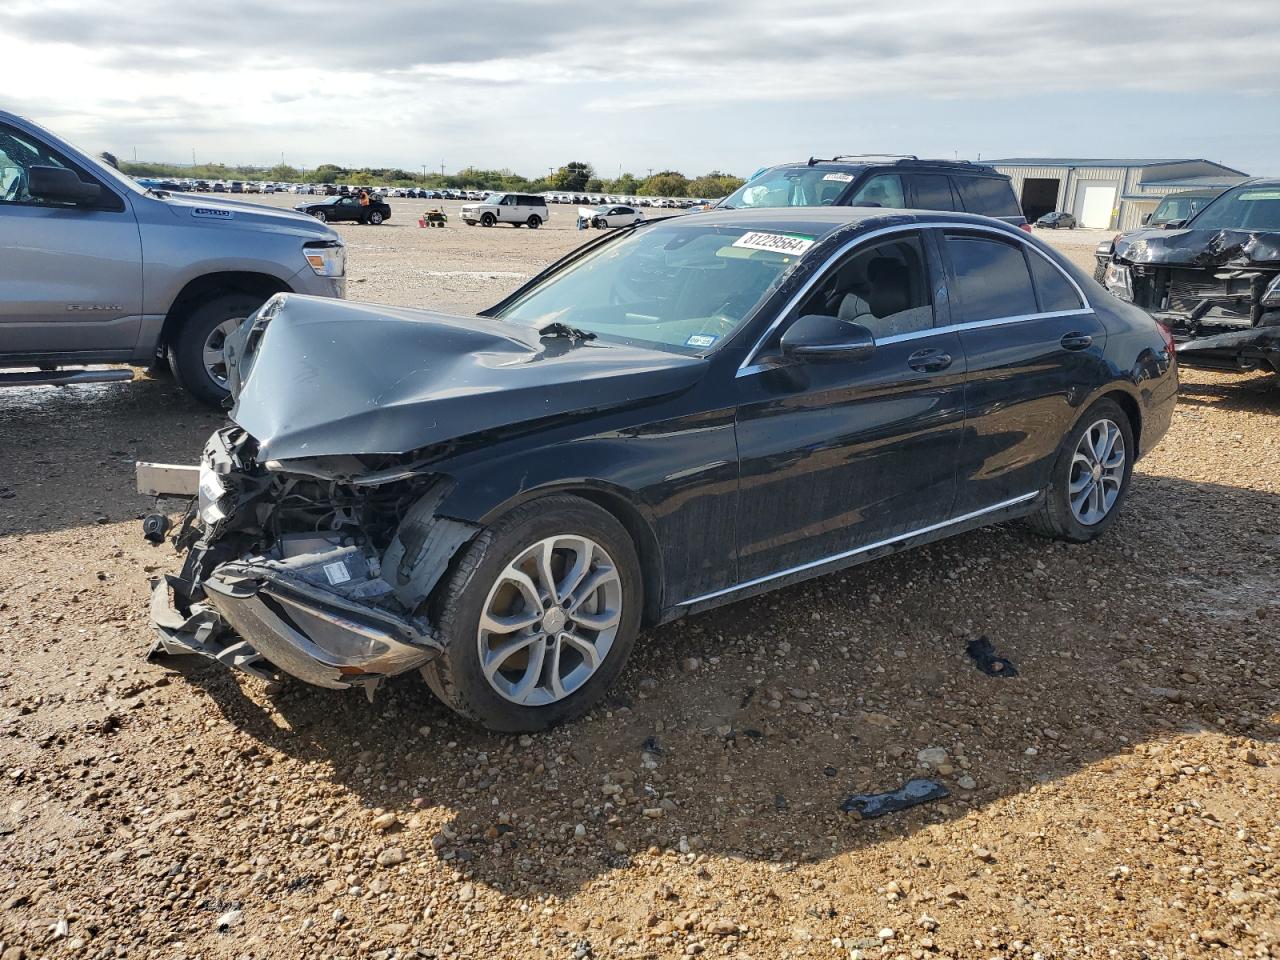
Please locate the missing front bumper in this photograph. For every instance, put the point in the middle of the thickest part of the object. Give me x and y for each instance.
(265, 622)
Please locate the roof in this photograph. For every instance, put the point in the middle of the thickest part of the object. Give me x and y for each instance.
(1198, 183)
(820, 222)
(980, 168)
(1090, 162)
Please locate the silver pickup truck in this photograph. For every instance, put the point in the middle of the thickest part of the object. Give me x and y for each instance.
(95, 269)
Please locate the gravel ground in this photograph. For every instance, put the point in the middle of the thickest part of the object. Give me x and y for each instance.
(1117, 798)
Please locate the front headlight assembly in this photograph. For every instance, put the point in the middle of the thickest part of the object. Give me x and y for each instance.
(1271, 297)
(1119, 281)
(328, 258)
(215, 504)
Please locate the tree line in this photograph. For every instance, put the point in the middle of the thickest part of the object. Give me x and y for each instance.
(574, 177)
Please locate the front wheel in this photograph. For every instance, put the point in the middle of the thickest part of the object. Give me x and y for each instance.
(488, 220)
(320, 215)
(1090, 478)
(195, 356)
(538, 617)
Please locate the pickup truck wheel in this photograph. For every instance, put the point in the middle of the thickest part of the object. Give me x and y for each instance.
(375, 218)
(1090, 476)
(534, 222)
(538, 616)
(320, 215)
(196, 354)
(488, 220)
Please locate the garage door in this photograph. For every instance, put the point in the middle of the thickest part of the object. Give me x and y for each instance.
(1096, 209)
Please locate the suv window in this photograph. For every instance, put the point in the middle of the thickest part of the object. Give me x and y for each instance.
(932, 191)
(990, 196)
(532, 201)
(883, 190)
(1052, 288)
(884, 287)
(991, 279)
(790, 187)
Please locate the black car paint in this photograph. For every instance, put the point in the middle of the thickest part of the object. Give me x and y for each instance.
(667, 460)
(346, 207)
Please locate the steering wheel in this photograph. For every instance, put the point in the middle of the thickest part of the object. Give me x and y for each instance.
(17, 189)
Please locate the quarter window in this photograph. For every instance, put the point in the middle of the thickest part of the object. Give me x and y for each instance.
(933, 192)
(882, 190)
(991, 279)
(885, 288)
(1051, 286)
(990, 196)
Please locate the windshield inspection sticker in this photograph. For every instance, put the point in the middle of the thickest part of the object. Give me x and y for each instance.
(701, 340)
(774, 242)
(213, 213)
(839, 177)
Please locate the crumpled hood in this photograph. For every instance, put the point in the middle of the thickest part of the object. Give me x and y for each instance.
(1199, 248)
(314, 377)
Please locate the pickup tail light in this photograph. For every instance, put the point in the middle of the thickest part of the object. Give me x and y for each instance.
(1025, 226)
(1166, 334)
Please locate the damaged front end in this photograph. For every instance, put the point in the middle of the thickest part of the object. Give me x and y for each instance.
(319, 569)
(1218, 291)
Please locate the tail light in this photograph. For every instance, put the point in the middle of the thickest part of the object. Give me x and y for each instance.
(1166, 334)
(1025, 226)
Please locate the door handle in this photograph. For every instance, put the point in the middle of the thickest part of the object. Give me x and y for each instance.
(1076, 341)
(929, 361)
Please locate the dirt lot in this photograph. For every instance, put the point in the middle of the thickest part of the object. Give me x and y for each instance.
(1117, 798)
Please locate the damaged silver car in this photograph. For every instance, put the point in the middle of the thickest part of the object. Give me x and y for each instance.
(1213, 278)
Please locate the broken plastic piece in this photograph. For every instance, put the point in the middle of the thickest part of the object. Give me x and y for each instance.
(872, 805)
(984, 655)
(154, 527)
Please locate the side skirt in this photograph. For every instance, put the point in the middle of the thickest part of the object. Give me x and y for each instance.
(1007, 510)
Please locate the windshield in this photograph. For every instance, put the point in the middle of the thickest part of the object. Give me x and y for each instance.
(686, 288)
(1178, 208)
(790, 187)
(1244, 208)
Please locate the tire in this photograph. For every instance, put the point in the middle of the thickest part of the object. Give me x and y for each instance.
(1055, 517)
(477, 582)
(187, 351)
(488, 220)
(320, 215)
(534, 221)
(375, 218)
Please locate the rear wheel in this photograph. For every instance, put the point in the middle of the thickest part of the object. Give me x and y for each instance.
(375, 218)
(195, 356)
(538, 617)
(534, 222)
(1090, 476)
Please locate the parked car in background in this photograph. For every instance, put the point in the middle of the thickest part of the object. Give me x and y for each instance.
(1057, 221)
(1177, 208)
(517, 209)
(877, 181)
(97, 269)
(1213, 279)
(606, 216)
(347, 208)
(672, 417)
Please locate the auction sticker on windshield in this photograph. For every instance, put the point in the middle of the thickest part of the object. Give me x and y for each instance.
(774, 242)
(839, 177)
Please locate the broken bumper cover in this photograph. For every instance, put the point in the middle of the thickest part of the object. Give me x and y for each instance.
(263, 621)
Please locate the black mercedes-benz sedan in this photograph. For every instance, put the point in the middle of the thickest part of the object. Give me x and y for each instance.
(677, 415)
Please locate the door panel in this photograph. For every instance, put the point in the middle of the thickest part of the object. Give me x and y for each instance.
(70, 280)
(840, 455)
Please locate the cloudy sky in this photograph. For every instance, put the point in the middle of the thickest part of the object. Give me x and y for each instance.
(655, 83)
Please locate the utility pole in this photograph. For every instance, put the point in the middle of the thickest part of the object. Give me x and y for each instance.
(442, 168)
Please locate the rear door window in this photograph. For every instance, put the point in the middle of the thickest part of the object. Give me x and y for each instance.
(991, 279)
(989, 196)
(881, 190)
(1053, 289)
(932, 191)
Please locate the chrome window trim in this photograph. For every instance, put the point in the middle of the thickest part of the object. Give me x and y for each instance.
(747, 368)
(973, 515)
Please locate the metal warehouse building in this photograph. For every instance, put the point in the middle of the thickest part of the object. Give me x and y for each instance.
(1107, 194)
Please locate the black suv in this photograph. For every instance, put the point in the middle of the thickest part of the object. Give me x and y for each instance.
(882, 181)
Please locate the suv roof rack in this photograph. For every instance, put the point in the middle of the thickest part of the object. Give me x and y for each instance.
(864, 156)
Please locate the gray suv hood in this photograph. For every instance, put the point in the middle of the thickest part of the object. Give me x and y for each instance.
(314, 377)
(244, 214)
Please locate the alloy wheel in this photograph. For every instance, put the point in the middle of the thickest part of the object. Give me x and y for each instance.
(550, 620)
(215, 364)
(1097, 472)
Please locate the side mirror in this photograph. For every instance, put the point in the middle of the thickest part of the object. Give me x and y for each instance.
(814, 338)
(61, 185)
(1174, 224)
(1146, 219)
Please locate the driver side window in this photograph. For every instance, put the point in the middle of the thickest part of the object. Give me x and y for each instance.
(884, 287)
(18, 155)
